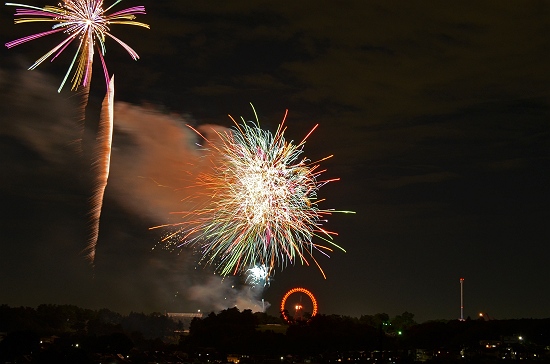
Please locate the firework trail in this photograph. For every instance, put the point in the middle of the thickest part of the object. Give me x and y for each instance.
(262, 207)
(83, 20)
(87, 22)
(101, 165)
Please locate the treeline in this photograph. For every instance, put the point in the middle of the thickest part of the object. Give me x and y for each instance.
(231, 329)
(78, 334)
(69, 334)
(58, 319)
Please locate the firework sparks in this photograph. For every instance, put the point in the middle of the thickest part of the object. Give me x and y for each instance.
(83, 20)
(87, 22)
(262, 207)
(101, 165)
(258, 275)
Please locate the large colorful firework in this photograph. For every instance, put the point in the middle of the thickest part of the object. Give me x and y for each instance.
(84, 21)
(262, 207)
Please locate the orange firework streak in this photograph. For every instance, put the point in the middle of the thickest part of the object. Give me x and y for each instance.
(101, 165)
(295, 290)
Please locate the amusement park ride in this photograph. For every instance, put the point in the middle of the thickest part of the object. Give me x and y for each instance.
(298, 307)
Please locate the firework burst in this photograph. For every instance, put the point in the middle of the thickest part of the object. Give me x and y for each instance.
(262, 208)
(89, 24)
(258, 275)
(84, 21)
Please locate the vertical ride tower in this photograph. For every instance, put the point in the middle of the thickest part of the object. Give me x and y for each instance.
(461, 299)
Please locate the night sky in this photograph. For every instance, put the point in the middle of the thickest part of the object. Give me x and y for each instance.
(437, 113)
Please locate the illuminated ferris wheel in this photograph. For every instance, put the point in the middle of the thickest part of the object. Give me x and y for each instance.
(298, 307)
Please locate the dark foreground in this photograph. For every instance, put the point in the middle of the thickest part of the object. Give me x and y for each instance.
(68, 334)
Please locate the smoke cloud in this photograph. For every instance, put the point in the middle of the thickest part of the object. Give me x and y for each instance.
(224, 293)
(46, 185)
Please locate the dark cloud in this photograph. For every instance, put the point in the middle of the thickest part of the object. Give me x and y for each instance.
(436, 113)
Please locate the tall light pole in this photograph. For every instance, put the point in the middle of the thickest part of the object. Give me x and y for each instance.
(461, 299)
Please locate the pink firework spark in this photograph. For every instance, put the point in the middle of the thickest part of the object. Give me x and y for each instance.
(83, 20)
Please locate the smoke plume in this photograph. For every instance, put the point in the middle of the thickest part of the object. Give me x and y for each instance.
(46, 186)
